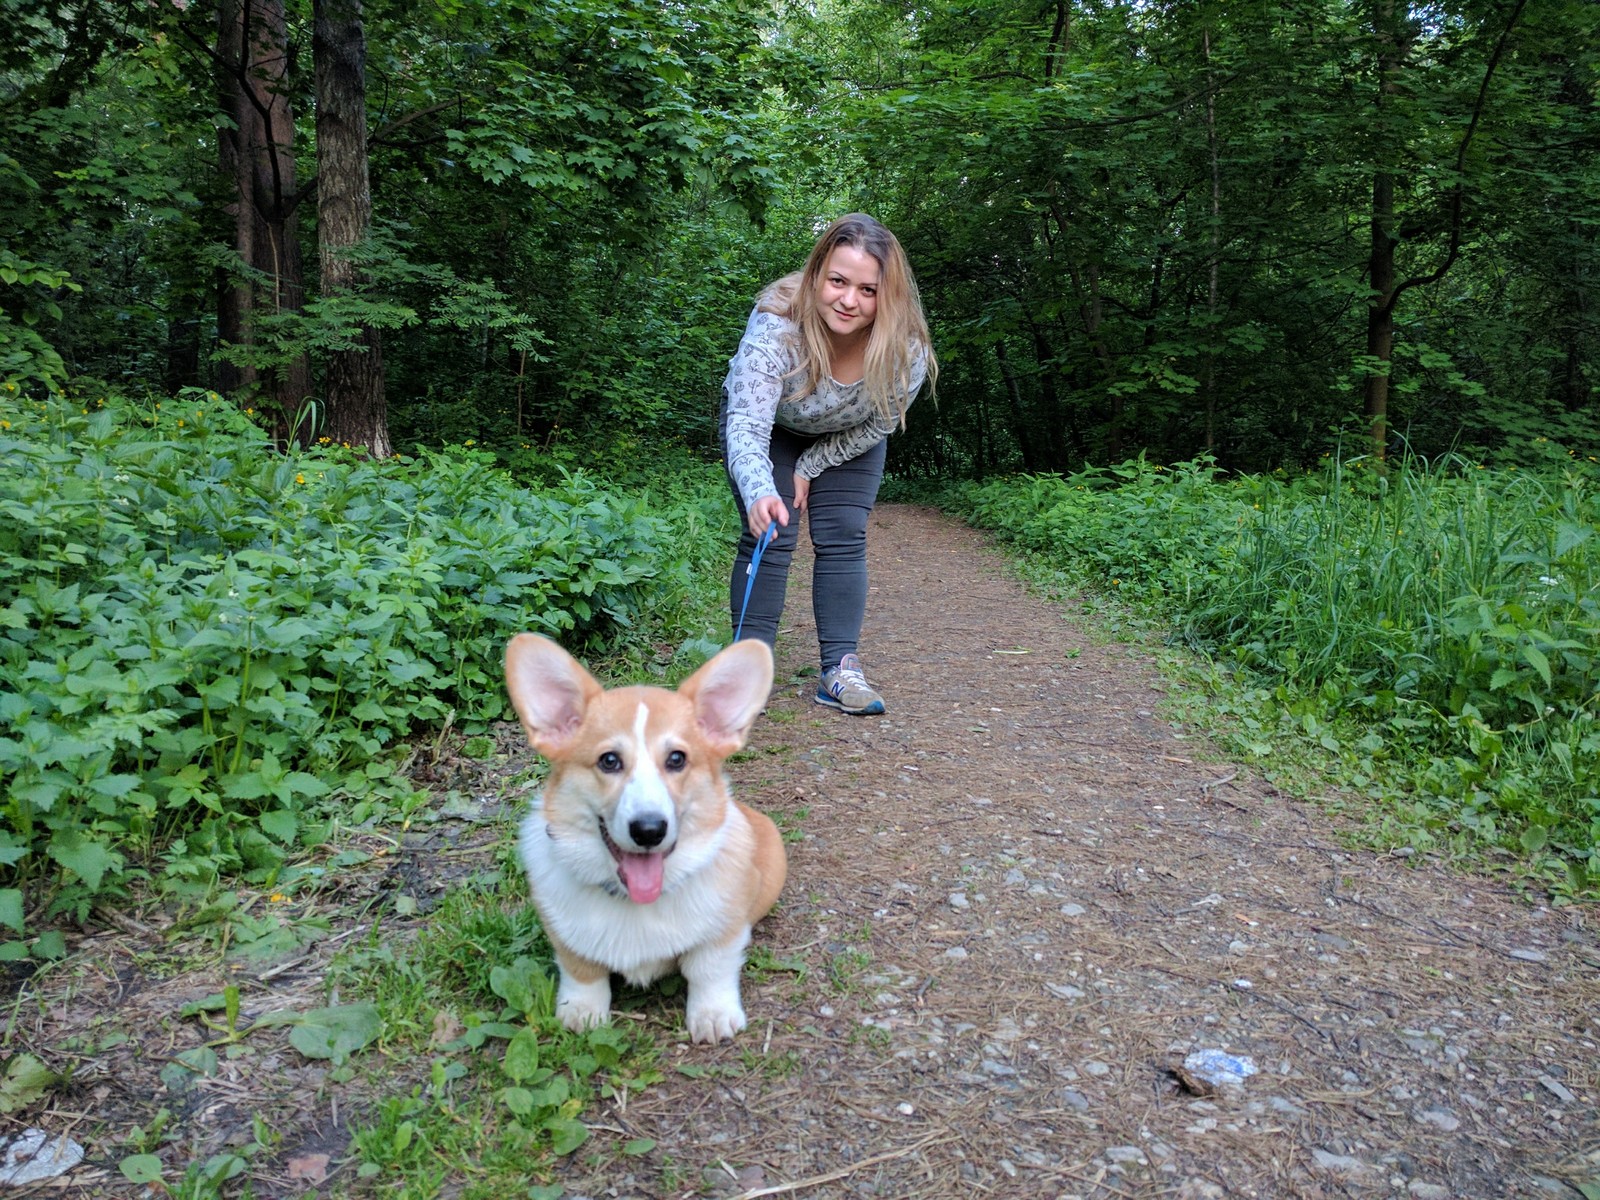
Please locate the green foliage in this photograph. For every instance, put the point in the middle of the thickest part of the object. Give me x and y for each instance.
(28, 362)
(508, 1092)
(1448, 613)
(204, 645)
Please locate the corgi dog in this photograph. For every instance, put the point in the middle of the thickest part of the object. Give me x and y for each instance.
(638, 859)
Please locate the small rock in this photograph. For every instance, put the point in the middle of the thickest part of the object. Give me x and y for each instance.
(1535, 956)
(1219, 1068)
(959, 900)
(956, 952)
(1337, 1162)
(1073, 910)
(1427, 1191)
(1076, 1101)
(1557, 1090)
(1126, 1154)
(1096, 1069)
(34, 1155)
(1440, 1118)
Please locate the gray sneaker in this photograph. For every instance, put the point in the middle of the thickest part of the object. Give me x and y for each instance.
(844, 687)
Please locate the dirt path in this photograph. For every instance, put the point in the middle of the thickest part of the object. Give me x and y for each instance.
(1022, 898)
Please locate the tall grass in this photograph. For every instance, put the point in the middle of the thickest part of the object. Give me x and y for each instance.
(1451, 613)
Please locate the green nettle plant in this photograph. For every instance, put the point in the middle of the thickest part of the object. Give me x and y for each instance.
(204, 645)
(1448, 614)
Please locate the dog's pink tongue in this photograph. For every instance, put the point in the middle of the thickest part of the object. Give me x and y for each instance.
(641, 874)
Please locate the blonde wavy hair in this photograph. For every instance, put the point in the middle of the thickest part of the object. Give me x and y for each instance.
(898, 327)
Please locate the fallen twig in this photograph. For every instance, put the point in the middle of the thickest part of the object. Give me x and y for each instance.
(779, 1189)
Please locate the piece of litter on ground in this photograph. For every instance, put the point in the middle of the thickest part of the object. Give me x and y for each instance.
(1220, 1068)
(33, 1155)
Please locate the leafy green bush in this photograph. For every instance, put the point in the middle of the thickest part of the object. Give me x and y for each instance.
(202, 641)
(1452, 613)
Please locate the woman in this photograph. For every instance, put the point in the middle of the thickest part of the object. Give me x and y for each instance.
(830, 360)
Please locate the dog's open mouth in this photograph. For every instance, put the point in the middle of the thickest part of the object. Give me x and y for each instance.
(641, 874)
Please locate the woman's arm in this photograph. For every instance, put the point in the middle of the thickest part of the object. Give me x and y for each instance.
(841, 447)
(752, 389)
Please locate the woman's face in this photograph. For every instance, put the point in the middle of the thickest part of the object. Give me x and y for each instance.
(847, 291)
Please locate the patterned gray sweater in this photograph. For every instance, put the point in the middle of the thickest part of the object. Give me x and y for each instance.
(759, 396)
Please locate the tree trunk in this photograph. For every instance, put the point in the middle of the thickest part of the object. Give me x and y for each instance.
(1055, 420)
(257, 154)
(356, 409)
(1380, 314)
(1019, 424)
(1393, 45)
(1208, 373)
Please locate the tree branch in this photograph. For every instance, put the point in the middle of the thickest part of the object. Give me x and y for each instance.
(1458, 193)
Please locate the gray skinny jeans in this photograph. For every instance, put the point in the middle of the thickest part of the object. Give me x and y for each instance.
(836, 513)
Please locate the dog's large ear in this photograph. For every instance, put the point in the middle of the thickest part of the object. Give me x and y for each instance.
(550, 690)
(729, 692)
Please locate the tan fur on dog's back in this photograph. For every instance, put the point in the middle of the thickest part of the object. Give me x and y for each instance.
(638, 858)
(771, 864)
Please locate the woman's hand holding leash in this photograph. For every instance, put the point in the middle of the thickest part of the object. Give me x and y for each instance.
(764, 512)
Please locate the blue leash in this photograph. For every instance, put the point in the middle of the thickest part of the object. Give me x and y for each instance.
(750, 573)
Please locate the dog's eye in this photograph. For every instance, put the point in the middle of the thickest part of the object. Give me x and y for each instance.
(610, 762)
(677, 760)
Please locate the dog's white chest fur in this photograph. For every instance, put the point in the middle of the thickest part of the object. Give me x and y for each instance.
(639, 941)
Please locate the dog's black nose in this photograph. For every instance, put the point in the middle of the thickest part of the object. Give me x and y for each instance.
(647, 831)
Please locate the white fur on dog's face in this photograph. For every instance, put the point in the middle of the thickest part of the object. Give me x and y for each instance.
(635, 801)
(647, 787)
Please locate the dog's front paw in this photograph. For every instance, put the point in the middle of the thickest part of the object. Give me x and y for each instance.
(715, 1022)
(581, 1006)
(578, 1017)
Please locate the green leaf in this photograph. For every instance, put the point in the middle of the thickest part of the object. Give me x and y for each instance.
(511, 985)
(281, 824)
(639, 1146)
(141, 1168)
(337, 1032)
(87, 859)
(519, 1100)
(26, 1079)
(11, 914)
(50, 945)
(522, 1055)
(566, 1135)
